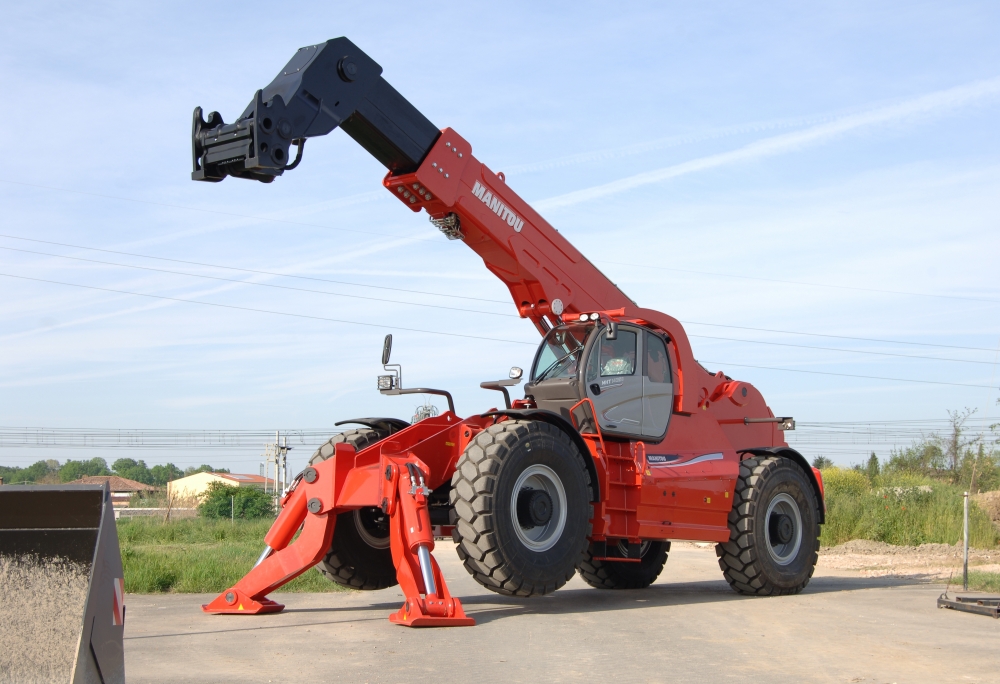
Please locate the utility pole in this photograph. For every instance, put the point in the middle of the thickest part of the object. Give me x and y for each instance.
(276, 453)
(965, 555)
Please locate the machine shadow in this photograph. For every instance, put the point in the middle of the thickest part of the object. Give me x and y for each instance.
(586, 600)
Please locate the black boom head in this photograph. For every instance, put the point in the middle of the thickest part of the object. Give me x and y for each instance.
(322, 87)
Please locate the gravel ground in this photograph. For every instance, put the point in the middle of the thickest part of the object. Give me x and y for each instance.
(41, 617)
(927, 561)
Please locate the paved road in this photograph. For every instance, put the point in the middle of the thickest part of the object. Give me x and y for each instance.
(688, 627)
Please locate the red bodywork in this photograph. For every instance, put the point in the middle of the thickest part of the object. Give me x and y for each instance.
(680, 488)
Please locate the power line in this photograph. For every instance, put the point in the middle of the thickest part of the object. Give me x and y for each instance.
(838, 337)
(392, 301)
(399, 237)
(438, 332)
(255, 271)
(808, 284)
(836, 349)
(847, 375)
(247, 282)
(215, 211)
(125, 439)
(266, 311)
(438, 294)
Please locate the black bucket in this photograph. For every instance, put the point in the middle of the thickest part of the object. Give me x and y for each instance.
(62, 616)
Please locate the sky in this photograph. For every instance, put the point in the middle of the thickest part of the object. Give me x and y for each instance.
(813, 190)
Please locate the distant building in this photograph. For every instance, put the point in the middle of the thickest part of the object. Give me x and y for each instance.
(122, 488)
(195, 486)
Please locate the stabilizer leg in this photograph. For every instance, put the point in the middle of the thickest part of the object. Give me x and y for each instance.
(428, 601)
(288, 560)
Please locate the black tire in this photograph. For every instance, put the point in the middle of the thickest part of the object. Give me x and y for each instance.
(770, 552)
(534, 457)
(359, 555)
(616, 575)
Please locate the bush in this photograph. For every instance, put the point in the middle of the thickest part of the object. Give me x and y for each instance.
(838, 482)
(245, 503)
(899, 508)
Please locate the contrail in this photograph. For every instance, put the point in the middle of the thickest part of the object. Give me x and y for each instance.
(932, 103)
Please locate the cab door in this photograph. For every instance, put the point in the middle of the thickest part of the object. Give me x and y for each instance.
(614, 381)
(657, 387)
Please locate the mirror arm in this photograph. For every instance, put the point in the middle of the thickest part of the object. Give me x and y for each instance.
(423, 390)
(501, 386)
(498, 385)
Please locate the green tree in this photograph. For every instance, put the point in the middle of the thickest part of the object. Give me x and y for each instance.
(162, 474)
(822, 462)
(74, 470)
(133, 470)
(246, 503)
(33, 473)
(203, 468)
(872, 469)
(956, 445)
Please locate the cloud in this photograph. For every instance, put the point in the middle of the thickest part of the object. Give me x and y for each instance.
(935, 103)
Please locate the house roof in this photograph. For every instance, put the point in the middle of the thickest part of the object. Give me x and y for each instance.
(245, 479)
(117, 484)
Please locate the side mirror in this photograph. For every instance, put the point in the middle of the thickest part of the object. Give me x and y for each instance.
(386, 349)
(612, 333)
(516, 373)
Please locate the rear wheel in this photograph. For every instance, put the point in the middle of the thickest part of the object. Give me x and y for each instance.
(521, 504)
(624, 575)
(773, 529)
(359, 555)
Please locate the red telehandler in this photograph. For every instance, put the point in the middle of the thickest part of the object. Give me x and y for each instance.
(621, 443)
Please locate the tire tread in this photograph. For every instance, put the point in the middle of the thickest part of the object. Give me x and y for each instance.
(472, 486)
(738, 557)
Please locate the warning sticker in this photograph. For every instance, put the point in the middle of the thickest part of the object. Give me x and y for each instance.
(118, 618)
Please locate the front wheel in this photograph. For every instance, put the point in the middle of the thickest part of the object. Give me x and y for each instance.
(359, 556)
(773, 529)
(521, 499)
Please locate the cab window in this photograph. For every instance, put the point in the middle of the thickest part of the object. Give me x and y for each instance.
(560, 351)
(617, 356)
(657, 367)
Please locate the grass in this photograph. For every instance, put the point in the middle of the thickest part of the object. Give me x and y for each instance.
(983, 581)
(897, 509)
(198, 556)
(207, 556)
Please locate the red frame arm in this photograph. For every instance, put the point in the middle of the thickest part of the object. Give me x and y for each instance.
(334, 486)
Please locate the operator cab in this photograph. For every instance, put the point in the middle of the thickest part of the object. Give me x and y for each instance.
(624, 370)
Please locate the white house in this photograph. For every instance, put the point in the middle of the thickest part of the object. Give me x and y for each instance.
(195, 486)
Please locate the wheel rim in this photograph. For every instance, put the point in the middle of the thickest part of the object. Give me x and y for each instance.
(539, 479)
(783, 529)
(371, 529)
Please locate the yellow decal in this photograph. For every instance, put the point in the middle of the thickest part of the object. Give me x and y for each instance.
(449, 444)
(708, 499)
(726, 495)
(241, 606)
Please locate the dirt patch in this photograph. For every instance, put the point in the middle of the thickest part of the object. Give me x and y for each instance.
(989, 503)
(927, 561)
(41, 618)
